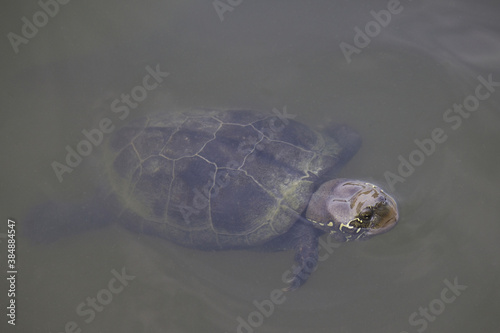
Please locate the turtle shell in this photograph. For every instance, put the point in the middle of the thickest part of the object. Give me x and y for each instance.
(217, 179)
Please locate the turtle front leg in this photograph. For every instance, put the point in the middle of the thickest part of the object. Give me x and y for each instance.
(304, 239)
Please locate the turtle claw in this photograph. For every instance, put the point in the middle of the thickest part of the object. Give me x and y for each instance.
(301, 273)
(293, 284)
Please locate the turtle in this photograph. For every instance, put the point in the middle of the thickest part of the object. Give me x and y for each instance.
(241, 179)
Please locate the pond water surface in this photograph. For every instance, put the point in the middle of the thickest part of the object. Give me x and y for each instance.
(419, 80)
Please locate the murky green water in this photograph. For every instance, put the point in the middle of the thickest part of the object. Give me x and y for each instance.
(437, 271)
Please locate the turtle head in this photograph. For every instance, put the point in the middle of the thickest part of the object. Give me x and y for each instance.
(352, 209)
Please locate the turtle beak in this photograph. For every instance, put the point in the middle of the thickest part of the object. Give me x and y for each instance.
(383, 226)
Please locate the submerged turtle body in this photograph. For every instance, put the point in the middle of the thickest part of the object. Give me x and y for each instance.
(232, 179)
(218, 179)
(237, 179)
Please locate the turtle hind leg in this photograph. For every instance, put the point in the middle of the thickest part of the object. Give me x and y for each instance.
(303, 238)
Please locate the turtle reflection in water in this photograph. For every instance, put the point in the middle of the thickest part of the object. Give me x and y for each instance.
(236, 179)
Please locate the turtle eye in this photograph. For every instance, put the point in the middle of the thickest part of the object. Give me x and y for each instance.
(366, 214)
